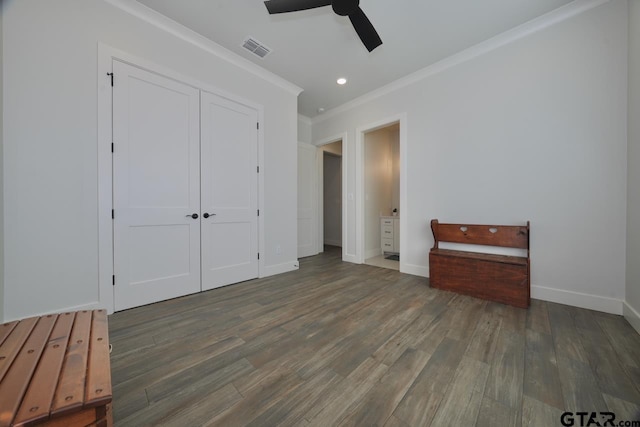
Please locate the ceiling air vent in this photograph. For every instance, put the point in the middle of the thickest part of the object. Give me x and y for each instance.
(255, 47)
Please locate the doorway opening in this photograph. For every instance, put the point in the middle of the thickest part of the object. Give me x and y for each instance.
(381, 204)
(331, 182)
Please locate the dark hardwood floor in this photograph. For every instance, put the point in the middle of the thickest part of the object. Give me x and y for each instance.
(343, 344)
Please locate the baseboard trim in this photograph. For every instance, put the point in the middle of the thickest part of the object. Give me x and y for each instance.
(632, 316)
(285, 267)
(414, 269)
(91, 306)
(577, 299)
(350, 258)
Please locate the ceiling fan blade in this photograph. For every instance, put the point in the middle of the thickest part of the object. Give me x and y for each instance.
(283, 6)
(365, 30)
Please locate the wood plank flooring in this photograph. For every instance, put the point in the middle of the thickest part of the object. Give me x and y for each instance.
(343, 344)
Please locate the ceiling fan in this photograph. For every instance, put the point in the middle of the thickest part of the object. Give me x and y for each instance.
(350, 8)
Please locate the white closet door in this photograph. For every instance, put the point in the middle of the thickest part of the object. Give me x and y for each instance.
(156, 187)
(229, 160)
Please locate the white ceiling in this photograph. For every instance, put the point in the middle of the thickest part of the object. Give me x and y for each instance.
(313, 48)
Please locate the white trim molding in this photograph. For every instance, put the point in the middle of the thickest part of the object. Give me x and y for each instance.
(285, 267)
(554, 17)
(180, 31)
(346, 256)
(578, 299)
(89, 306)
(632, 316)
(415, 270)
(359, 183)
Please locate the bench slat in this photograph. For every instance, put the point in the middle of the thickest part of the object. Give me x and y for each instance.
(70, 392)
(502, 259)
(12, 345)
(14, 385)
(5, 330)
(98, 390)
(37, 402)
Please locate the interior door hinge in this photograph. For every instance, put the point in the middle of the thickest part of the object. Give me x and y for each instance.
(111, 75)
(113, 214)
(258, 125)
(258, 255)
(113, 280)
(258, 169)
(258, 212)
(112, 147)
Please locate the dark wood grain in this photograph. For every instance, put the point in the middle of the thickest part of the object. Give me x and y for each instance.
(509, 236)
(501, 278)
(227, 357)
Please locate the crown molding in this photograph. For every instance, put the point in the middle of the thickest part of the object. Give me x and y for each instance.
(180, 31)
(544, 21)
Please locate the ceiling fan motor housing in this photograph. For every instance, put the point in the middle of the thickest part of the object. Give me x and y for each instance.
(345, 7)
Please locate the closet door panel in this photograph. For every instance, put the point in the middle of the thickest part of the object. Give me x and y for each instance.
(229, 160)
(156, 187)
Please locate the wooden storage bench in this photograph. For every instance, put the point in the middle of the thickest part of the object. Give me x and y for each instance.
(501, 278)
(55, 371)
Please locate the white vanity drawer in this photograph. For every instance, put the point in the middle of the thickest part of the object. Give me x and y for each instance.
(386, 221)
(387, 231)
(387, 245)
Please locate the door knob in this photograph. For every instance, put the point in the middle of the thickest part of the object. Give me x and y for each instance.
(207, 215)
(194, 216)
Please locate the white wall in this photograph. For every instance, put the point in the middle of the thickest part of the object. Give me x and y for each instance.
(534, 129)
(378, 169)
(632, 309)
(1, 174)
(332, 204)
(50, 149)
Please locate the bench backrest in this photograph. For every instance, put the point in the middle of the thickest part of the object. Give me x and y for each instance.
(507, 236)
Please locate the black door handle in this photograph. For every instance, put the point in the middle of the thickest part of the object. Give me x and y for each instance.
(194, 216)
(207, 215)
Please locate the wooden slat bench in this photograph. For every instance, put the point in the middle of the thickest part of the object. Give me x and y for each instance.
(55, 370)
(501, 278)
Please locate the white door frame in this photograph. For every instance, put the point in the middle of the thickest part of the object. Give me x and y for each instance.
(314, 197)
(320, 168)
(359, 163)
(106, 55)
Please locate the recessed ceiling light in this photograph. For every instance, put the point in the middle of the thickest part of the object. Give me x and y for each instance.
(320, 110)
(341, 81)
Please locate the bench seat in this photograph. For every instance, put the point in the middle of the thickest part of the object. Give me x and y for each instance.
(500, 278)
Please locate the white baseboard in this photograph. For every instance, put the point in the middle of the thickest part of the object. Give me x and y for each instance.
(414, 269)
(350, 258)
(285, 267)
(91, 306)
(372, 253)
(330, 242)
(577, 299)
(632, 316)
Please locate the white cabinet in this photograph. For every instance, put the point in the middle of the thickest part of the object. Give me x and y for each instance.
(390, 234)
